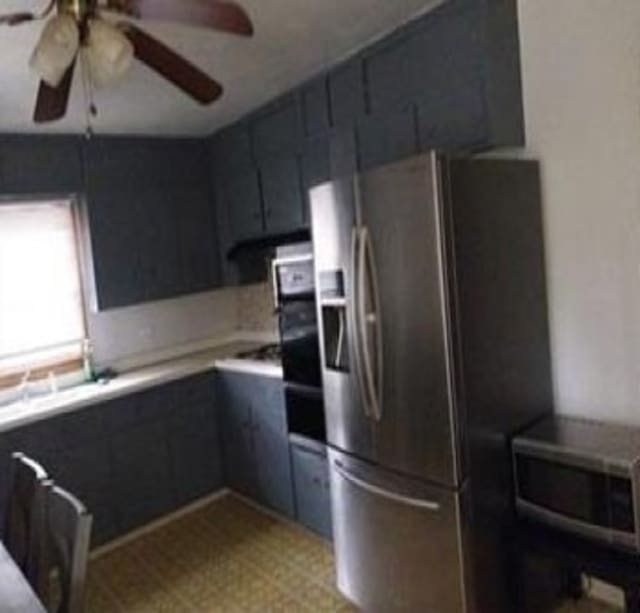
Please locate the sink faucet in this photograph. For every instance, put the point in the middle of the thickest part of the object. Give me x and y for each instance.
(23, 388)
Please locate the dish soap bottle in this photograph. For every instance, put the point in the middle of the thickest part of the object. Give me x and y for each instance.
(87, 361)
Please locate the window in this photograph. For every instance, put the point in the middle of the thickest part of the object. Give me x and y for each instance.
(42, 324)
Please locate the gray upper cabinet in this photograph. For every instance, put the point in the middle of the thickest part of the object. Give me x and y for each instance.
(390, 74)
(347, 93)
(315, 107)
(449, 80)
(149, 214)
(115, 219)
(387, 138)
(459, 65)
(282, 195)
(277, 130)
(232, 148)
(452, 106)
(240, 194)
(41, 165)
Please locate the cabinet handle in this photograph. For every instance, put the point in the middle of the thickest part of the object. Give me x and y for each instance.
(316, 480)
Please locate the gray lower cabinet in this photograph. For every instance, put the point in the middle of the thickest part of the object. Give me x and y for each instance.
(311, 486)
(255, 440)
(130, 459)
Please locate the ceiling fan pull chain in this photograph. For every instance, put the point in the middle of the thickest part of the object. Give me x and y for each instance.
(90, 108)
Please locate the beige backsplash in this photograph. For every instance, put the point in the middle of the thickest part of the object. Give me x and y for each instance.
(256, 309)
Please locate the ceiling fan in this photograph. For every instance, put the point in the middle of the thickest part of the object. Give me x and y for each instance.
(110, 47)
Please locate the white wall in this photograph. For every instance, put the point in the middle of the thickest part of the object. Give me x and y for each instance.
(133, 333)
(144, 333)
(581, 77)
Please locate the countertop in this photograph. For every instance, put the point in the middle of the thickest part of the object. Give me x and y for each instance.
(222, 356)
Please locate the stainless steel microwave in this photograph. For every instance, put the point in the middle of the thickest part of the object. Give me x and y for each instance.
(581, 476)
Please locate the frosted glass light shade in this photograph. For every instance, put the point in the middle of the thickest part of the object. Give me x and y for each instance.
(56, 49)
(109, 52)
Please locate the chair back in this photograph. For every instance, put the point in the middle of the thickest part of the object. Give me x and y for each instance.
(25, 529)
(69, 532)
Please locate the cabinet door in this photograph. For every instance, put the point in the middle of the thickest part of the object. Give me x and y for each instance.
(114, 222)
(271, 444)
(315, 107)
(283, 209)
(195, 450)
(232, 148)
(158, 243)
(316, 169)
(241, 195)
(41, 165)
(144, 486)
(277, 129)
(390, 78)
(200, 262)
(235, 398)
(450, 62)
(346, 93)
(312, 491)
(343, 153)
(387, 138)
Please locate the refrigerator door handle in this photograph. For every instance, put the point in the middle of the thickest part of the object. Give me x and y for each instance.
(371, 321)
(354, 301)
(428, 505)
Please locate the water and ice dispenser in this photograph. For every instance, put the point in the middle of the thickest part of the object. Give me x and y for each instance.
(333, 305)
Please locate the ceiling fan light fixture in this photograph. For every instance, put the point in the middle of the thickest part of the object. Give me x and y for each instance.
(56, 49)
(109, 52)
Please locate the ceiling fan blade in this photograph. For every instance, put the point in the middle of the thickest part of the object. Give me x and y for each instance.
(16, 19)
(216, 14)
(52, 102)
(168, 64)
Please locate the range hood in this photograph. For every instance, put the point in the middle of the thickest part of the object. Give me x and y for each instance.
(264, 244)
(252, 257)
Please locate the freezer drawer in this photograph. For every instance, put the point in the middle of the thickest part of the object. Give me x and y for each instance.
(398, 542)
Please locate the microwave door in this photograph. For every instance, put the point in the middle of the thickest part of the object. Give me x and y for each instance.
(335, 249)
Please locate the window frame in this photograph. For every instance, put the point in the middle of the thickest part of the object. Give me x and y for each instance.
(77, 205)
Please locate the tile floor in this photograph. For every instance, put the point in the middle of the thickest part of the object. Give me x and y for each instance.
(225, 557)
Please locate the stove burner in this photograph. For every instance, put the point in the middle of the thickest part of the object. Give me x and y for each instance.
(266, 353)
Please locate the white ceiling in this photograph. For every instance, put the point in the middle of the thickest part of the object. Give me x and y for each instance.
(294, 40)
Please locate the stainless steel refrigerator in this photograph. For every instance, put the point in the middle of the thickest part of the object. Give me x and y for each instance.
(434, 344)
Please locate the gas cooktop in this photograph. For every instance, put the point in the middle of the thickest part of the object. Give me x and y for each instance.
(266, 353)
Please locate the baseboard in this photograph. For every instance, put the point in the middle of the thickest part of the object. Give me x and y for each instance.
(158, 523)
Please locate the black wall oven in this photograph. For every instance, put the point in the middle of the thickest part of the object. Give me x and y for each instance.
(293, 281)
